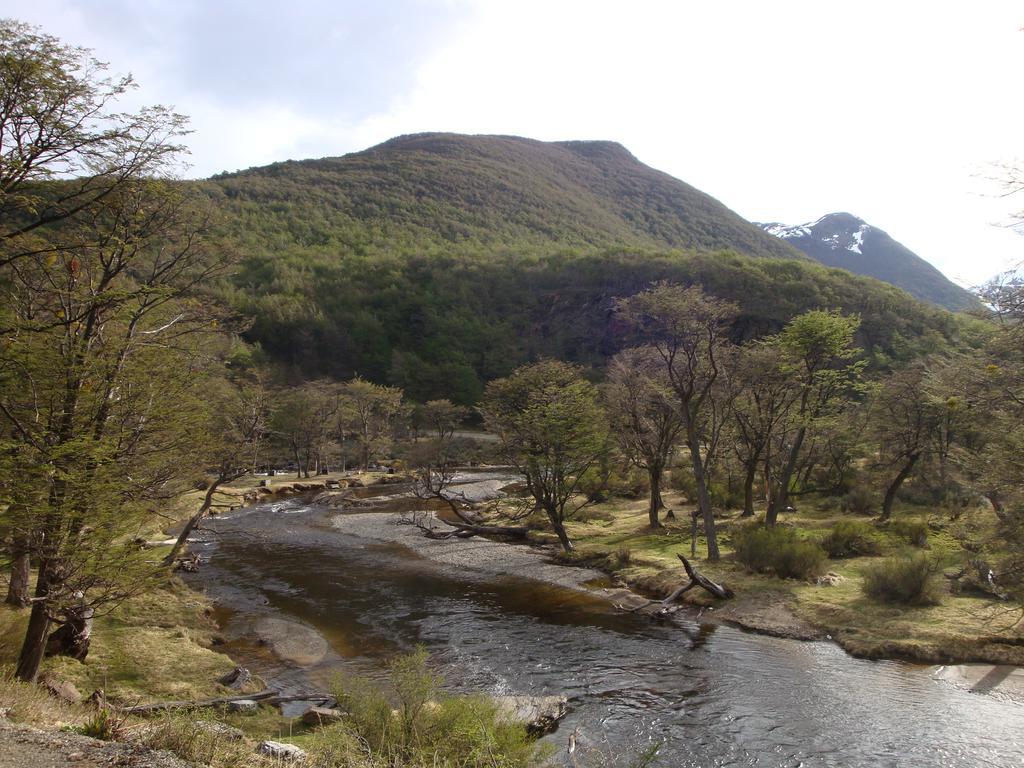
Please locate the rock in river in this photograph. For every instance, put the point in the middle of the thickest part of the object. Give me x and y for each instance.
(291, 641)
(540, 714)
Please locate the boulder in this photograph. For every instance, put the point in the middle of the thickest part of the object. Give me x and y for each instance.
(242, 705)
(830, 579)
(540, 714)
(236, 679)
(219, 730)
(281, 751)
(62, 690)
(315, 716)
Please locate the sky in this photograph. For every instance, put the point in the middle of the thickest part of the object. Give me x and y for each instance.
(902, 113)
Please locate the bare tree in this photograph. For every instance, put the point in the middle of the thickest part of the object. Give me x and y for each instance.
(764, 393)
(689, 331)
(645, 416)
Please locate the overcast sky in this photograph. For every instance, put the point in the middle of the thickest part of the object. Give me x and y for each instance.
(783, 110)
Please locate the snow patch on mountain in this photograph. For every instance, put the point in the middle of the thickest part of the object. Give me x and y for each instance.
(858, 239)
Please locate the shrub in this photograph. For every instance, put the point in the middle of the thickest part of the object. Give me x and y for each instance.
(849, 538)
(197, 738)
(429, 728)
(914, 531)
(778, 550)
(623, 556)
(907, 579)
(606, 481)
(859, 500)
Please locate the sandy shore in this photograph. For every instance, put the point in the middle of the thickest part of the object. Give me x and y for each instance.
(476, 554)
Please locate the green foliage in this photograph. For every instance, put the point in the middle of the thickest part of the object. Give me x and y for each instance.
(850, 539)
(859, 500)
(429, 729)
(439, 263)
(609, 480)
(552, 429)
(197, 738)
(778, 550)
(909, 579)
(914, 531)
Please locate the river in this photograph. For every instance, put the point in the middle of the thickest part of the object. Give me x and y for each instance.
(708, 695)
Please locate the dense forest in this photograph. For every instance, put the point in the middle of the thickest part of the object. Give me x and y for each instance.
(438, 262)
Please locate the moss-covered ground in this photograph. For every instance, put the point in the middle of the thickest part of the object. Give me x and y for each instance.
(616, 537)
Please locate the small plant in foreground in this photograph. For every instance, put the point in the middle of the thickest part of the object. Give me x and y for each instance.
(908, 579)
(779, 550)
(849, 538)
(104, 725)
(427, 728)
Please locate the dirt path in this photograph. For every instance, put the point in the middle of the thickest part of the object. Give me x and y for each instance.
(24, 747)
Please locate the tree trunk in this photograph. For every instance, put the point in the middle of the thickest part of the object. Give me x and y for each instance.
(34, 646)
(193, 521)
(894, 486)
(655, 504)
(559, 526)
(780, 500)
(703, 500)
(748, 489)
(17, 588)
(72, 638)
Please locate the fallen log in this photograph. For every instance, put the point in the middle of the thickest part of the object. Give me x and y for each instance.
(161, 706)
(697, 579)
(271, 697)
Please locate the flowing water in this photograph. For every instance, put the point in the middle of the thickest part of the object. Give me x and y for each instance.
(708, 695)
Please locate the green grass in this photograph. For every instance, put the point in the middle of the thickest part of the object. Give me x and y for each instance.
(960, 627)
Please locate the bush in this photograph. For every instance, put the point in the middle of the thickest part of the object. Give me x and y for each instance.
(196, 737)
(915, 532)
(859, 500)
(778, 550)
(607, 481)
(429, 728)
(850, 539)
(907, 579)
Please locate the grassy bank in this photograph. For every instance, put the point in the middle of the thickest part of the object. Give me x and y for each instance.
(615, 537)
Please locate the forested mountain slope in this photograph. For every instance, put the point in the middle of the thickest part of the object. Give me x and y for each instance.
(437, 262)
(448, 189)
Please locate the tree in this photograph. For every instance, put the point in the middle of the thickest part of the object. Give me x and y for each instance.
(759, 376)
(229, 429)
(689, 331)
(905, 420)
(644, 415)
(302, 420)
(101, 265)
(442, 417)
(552, 430)
(57, 121)
(819, 345)
(370, 412)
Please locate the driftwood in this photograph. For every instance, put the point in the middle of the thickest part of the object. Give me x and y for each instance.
(423, 521)
(271, 697)
(697, 579)
(161, 706)
(236, 679)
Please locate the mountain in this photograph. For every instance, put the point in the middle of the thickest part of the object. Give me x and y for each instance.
(842, 240)
(452, 190)
(438, 262)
